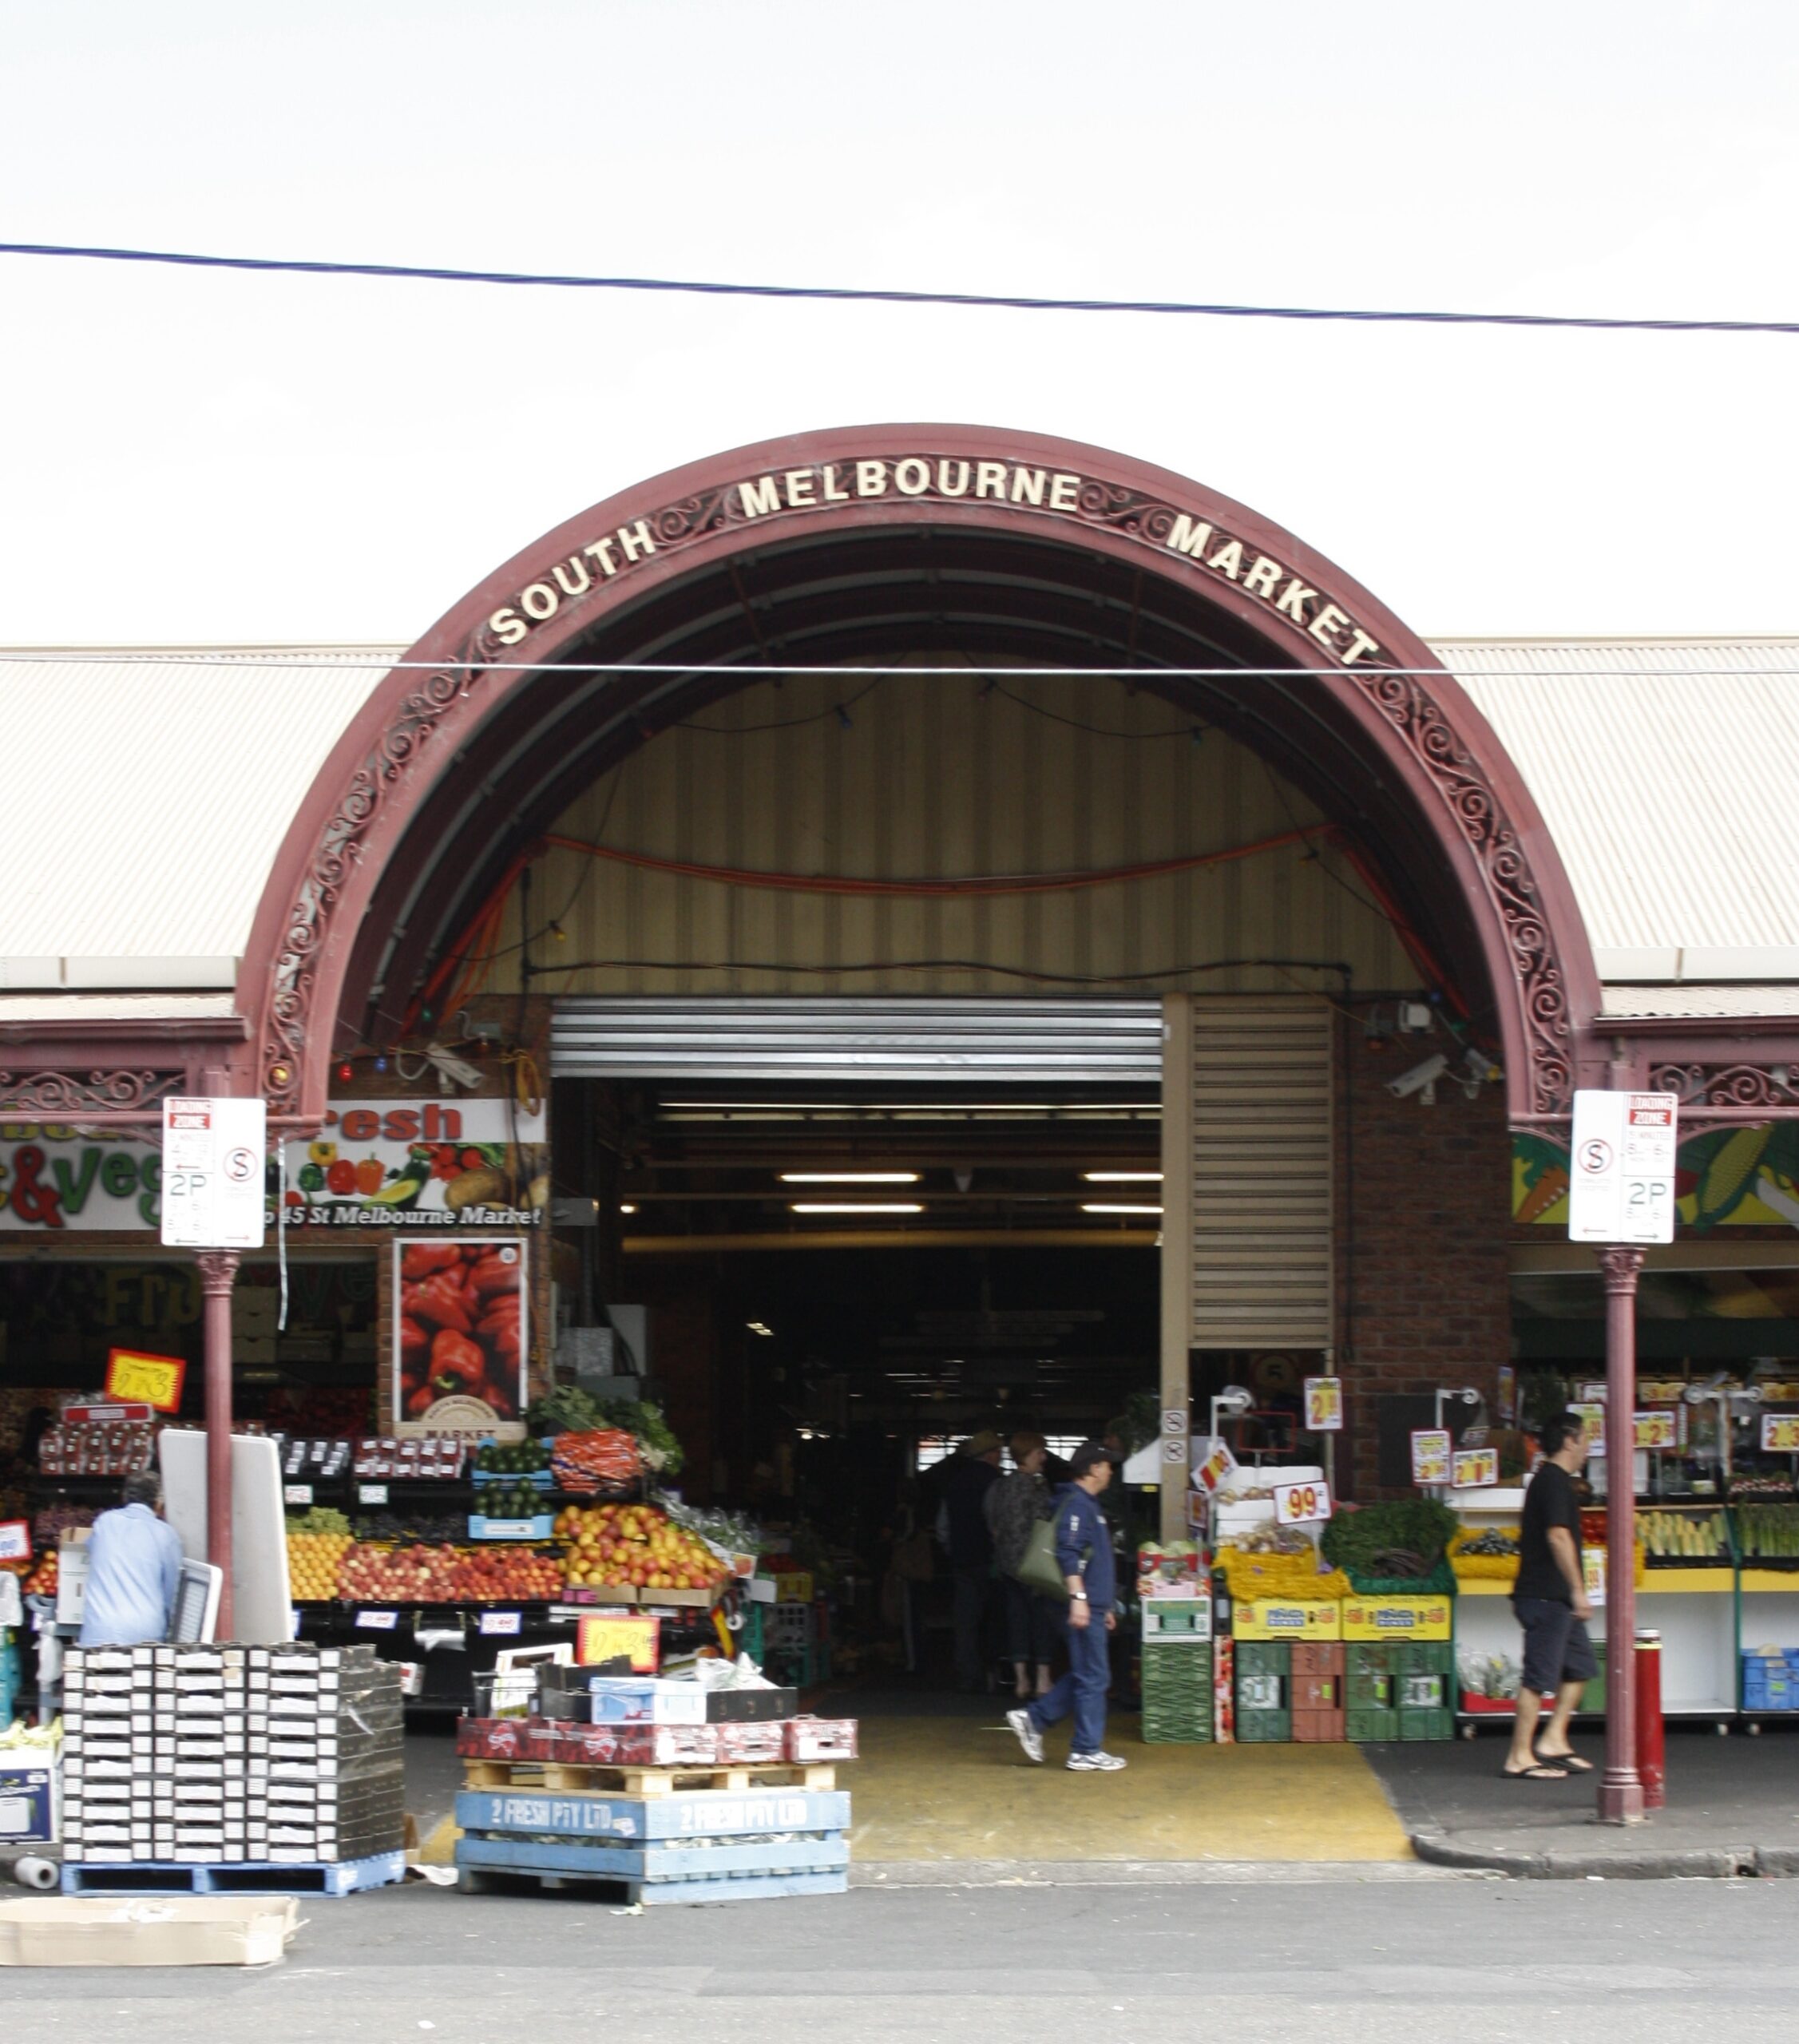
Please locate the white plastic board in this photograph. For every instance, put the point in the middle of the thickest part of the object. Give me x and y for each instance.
(262, 1600)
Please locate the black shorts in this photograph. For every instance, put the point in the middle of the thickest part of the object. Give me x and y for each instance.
(1557, 1649)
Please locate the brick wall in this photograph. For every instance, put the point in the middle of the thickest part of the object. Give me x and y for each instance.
(1422, 1259)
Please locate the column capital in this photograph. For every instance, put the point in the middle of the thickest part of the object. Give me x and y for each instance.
(218, 1271)
(1619, 1265)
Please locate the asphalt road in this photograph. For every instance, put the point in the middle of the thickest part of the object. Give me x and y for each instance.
(1374, 1961)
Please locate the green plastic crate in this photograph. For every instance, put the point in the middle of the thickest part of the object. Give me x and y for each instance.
(1367, 1657)
(1177, 1727)
(1264, 1728)
(1427, 1724)
(1369, 1692)
(1367, 1728)
(1416, 1692)
(1264, 1657)
(1423, 1657)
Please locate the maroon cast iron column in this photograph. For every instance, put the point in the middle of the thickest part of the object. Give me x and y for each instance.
(218, 1273)
(1620, 1789)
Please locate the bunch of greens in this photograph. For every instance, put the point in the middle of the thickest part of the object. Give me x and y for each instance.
(567, 1409)
(1403, 1540)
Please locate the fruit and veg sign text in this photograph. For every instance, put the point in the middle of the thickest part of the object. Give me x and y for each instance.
(461, 1331)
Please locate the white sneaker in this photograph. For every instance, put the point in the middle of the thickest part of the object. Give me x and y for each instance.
(1030, 1737)
(1096, 1762)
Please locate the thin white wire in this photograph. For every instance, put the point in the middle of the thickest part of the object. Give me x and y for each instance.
(1638, 671)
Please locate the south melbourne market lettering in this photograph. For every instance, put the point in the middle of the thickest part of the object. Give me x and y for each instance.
(1218, 554)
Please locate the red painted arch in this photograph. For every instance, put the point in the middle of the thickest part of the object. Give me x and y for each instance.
(471, 675)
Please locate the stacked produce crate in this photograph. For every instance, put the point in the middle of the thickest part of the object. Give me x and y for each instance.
(676, 1792)
(1316, 1695)
(231, 1766)
(1177, 1670)
(1370, 1716)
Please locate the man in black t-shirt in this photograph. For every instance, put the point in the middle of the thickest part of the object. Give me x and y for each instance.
(1550, 1599)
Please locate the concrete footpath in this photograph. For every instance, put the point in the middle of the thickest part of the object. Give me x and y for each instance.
(1733, 1808)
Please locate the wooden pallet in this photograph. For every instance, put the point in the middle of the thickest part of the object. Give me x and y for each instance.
(563, 1778)
(234, 1877)
(536, 1812)
(479, 1860)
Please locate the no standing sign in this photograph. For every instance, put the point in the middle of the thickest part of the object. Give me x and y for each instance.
(1621, 1187)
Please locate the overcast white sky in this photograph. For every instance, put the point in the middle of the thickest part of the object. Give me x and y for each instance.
(217, 457)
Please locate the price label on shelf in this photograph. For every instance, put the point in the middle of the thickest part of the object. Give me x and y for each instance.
(371, 1493)
(15, 1540)
(1656, 1430)
(497, 1624)
(146, 1379)
(377, 1621)
(1324, 1404)
(506, 1529)
(1779, 1434)
(1302, 1504)
(1592, 1562)
(1591, 1415)
(296, 1493)
(1473, 1468)
(1431, 1449)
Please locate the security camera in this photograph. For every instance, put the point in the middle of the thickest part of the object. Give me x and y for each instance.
(1480, 1067)
(1421, 1078)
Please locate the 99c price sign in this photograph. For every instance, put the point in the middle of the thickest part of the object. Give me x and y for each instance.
(1302, 1504)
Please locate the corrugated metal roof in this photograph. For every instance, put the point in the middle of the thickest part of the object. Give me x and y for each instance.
(1703, 1003)
(1668, 773)
(133, 842)
(135, 851)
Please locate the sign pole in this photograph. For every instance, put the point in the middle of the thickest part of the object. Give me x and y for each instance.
(1620, 1788)
(218, 1273)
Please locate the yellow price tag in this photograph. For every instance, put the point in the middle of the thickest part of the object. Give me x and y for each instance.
(605, 1637)
(132, 1378)
(1780, 1435)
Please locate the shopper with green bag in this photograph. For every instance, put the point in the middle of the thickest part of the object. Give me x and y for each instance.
(1083, 1560)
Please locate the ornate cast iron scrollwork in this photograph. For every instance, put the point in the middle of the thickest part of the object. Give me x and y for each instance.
(1719, 1095)
(69, 1096)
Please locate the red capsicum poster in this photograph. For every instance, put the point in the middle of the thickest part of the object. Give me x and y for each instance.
(461, 1330)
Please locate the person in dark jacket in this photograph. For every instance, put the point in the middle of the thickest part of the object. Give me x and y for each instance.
(1083, 1553)
(1014, 1505)
(975, 1471)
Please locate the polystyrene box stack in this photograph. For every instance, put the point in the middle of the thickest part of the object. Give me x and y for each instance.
(216, 1755)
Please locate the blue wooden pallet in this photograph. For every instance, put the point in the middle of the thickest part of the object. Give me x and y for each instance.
(236, 1877)
(688, 1813)
(825, 1855)
(478, 1858)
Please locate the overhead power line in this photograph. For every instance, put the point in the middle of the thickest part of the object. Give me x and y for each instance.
(850, 294)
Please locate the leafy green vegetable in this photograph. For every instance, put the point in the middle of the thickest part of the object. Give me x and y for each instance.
(568, 1409)
(1406, 1537)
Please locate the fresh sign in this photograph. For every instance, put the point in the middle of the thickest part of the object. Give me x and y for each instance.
(1302, 1504)
(1622, 1184)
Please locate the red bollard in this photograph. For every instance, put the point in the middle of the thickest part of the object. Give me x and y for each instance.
(1652, 1762)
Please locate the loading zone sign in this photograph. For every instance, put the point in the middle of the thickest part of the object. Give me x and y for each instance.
(212, 1169)
(1622, 1182)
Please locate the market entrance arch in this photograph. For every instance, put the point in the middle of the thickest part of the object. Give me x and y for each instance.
(859, 544)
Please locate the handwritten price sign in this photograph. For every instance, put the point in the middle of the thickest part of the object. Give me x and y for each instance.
(1591, 1415)
(1324, 1404)
(1474, 1467)
(1656, 1430)
(1430, 1455)
(148, 1380)
(1302, 1504)
(604, 1637)
(1780, 1435)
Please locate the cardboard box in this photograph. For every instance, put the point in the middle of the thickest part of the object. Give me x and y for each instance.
(628, 1700)
(29, 1803)
(1287, 1618)
(182, 1930)
(1398, 1618)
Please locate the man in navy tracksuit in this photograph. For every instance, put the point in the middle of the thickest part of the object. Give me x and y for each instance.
(1084, 1555)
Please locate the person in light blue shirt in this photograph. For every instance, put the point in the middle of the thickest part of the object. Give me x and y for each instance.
(134, 1568)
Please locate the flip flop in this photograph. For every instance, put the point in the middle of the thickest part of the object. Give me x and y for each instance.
(1572, 1761)
(1538, 1773)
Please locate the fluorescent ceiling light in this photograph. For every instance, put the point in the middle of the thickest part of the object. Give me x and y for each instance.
(626, 1207)
(1122, 1178)
(759, 1327)
(855, 1206)
(1115, 1207)
(848, 1178)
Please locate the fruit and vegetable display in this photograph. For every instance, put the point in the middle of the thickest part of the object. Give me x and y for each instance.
(1768, 1532)
(516, 1499)
(606, 1458)
(1490, 1554)
(1684, 1538)
(41, 1581)
(447, 1575)
(570, 1409)
(1778, 1488)
(438, 1529)
(314, 1559)
(522, 1458)
(634, 1546)
(437, 1458)
(461, 1332)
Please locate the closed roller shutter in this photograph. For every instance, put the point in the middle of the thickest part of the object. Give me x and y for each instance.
(1261, 1211)
(987, 1042)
